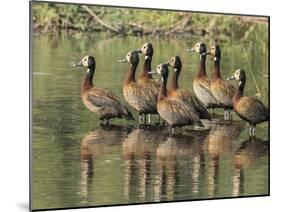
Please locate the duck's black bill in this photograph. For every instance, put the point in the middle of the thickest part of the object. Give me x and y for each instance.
(152, 72)
(204, 53)
(190, 50)
(77, 64)
(231, 78)
(138, 50)
(122, 61)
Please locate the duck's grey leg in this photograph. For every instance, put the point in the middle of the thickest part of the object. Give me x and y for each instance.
(149, 118)
(144, 117)
(140, 118)
(107, 122)
(253, 131)
(250, 131)
(229, 114)
(226, 114)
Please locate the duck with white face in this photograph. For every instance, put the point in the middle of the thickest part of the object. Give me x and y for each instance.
(138, 96)
(100, 100)
(201, 82)
(175, 113)
(248, 108)
(145, 78)
(222, 90)
(182, 94)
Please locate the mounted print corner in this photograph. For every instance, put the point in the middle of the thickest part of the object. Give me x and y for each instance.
(134, 105)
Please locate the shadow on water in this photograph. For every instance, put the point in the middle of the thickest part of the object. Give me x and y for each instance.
(23, 205)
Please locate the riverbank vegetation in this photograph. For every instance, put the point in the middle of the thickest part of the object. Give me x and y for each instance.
(53, 17)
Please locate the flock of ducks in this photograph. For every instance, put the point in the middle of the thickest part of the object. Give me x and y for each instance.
(176, 106)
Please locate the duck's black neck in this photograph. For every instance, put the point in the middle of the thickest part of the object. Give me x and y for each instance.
(130, 77)
(147, 67)
(88, 80)
(163, 89)
(174, 81)
(239, 90)
(217, 71)
(202, 66)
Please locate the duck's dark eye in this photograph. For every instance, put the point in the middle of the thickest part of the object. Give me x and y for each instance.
(144, 47)
(213, 48)
(85, 59)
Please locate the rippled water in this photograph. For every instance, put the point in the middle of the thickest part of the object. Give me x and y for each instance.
(78, 163)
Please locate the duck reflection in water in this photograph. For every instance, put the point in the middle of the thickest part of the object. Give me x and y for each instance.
(246, 156)
(137, 150)
(172, 157)
(218, 143)
(94, 144)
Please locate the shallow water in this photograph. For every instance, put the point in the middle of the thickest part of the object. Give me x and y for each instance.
(78, 163)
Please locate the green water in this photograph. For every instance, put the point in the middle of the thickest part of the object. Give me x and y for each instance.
(78, 163)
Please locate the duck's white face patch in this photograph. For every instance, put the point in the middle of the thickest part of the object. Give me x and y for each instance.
(84, 61)
(158, 69)
(197, 47)
(237, 75)
(144, 48)
(128, 57)
(172, 61)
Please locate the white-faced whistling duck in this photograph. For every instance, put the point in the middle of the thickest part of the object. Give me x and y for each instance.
(183, 94)
(145, 78)
(141, 98)
(175, 113)
(222, 90)
(99, 100)
(248, 108)
(201, 82)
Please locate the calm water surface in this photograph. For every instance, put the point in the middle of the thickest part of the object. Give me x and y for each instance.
(78, 163)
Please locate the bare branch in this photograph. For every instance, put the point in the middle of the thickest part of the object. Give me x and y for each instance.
(111, 28)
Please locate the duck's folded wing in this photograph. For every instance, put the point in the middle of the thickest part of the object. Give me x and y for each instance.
(252, 107)
(227, 88)
(144, 93)
(179, 109)
(204, 85)
(103, 98)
